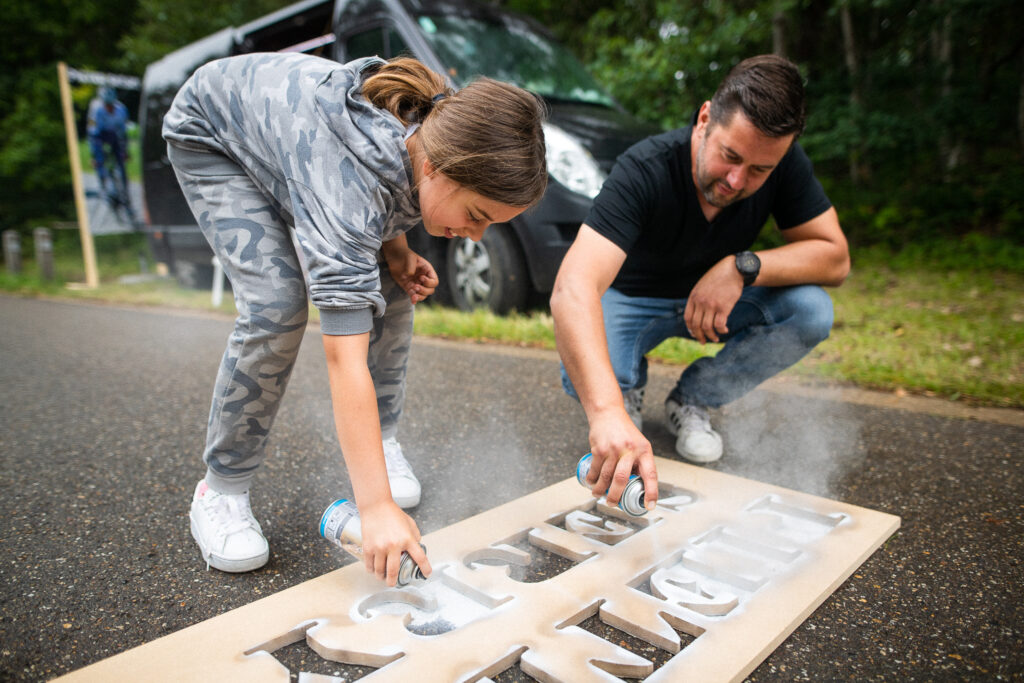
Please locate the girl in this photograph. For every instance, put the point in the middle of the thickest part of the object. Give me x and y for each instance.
(346, 158)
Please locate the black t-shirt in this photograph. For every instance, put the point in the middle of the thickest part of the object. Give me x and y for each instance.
(649, 208)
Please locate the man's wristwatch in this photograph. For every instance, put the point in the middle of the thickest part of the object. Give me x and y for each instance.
(749, 266)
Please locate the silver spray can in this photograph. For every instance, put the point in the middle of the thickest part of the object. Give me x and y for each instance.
(632, 500)
(341, 526)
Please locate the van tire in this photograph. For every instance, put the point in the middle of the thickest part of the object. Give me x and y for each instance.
(490, 273)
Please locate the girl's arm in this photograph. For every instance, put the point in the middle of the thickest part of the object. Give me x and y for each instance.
(387, 531)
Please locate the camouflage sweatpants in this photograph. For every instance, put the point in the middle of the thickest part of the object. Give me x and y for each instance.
(255, 248)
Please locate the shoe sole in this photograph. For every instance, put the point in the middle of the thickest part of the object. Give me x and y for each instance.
(699, 459)
(247, 564)
(407, 502)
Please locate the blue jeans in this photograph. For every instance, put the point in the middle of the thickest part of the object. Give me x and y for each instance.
(770, 329)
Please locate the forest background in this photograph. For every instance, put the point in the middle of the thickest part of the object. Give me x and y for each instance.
(916, 107)
(916, 128)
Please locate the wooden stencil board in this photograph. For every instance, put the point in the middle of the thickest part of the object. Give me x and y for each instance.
(734, 563)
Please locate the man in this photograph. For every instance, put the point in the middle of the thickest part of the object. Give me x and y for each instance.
(107, 132)
(664, 252)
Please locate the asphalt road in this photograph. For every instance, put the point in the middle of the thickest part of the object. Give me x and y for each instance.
(102, 416)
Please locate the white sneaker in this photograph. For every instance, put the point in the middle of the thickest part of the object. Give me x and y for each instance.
(695, 439)
(405, 487)
(229, 537)
(634, 400)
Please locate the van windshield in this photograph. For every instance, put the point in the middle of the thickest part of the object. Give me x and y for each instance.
(510, 51)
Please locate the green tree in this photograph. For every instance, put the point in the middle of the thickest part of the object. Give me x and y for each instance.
(916, 112)
(916, 118)
(36, 34)
(163, 26)
(102, 35)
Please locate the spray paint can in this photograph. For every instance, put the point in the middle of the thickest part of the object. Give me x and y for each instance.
(632, 500)
(341, 526)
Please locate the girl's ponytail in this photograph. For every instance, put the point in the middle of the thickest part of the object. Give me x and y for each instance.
(487, 137)
(406, 88)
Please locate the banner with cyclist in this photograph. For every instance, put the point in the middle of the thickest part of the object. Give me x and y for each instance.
(109, 146)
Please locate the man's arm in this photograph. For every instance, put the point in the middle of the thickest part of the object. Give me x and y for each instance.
(816, 253)
(617, 445)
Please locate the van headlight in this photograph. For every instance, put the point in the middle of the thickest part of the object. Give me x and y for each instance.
(570, 163)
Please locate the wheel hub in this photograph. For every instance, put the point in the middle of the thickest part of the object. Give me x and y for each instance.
(473, 272)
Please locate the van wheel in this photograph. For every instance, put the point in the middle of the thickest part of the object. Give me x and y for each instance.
(490, 273)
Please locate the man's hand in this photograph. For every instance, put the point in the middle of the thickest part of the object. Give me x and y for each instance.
(617, 446)
(712, 300)
(412, 272)
(387, 533)
(619, 449)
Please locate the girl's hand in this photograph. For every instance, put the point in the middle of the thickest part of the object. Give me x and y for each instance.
(412, 272)
(387, 533)
(416, 276)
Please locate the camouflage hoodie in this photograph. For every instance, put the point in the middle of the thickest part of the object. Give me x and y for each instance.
(335, 166)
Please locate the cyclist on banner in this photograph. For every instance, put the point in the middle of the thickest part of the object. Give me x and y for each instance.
(107, 133)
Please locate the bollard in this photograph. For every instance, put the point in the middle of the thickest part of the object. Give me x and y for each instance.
(12, 251)
(44, 252)
(217, 293)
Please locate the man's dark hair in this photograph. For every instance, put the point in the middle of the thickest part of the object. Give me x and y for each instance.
(770, 92)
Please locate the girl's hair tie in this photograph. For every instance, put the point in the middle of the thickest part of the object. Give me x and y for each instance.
(438, 97)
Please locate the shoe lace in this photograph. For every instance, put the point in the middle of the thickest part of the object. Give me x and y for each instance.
(694, 417)
(395, 460)
(230, 513)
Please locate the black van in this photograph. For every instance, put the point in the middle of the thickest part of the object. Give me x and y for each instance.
(586, 130)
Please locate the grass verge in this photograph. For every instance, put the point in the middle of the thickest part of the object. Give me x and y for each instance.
(938, 323)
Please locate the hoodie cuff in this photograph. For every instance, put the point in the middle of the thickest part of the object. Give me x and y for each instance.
(346, 321)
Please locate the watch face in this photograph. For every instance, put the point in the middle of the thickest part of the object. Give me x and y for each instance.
(747, 263)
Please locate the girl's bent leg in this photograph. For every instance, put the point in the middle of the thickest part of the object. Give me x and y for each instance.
(388, 356)
(388, 359)
(255, 249)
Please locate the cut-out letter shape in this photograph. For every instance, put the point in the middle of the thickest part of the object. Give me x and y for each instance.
(675, 584)
(592, 526)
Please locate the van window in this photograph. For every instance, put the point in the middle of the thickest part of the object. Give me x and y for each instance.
(510, 50)
(382, 41)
